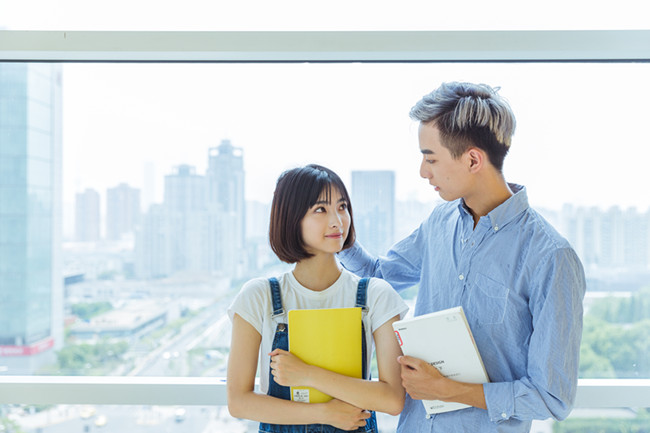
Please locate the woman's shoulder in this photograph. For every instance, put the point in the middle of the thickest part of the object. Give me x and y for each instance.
(380, 285)
(255, 284)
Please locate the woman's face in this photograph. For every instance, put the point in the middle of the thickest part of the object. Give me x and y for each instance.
(326, 224)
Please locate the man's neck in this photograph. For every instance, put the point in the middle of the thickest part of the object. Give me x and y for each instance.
(491, 191)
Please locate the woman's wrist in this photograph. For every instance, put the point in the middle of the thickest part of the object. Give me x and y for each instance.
(311, 375)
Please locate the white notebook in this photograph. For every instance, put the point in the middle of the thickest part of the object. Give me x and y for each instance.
(444, 340)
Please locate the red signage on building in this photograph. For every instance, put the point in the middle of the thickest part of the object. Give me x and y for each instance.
(32, 349)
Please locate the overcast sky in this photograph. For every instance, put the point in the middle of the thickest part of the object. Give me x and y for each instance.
(581, 135)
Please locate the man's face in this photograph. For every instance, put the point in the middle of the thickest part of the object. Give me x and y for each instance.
(449, 176)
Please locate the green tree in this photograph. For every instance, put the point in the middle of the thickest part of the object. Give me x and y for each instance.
(88, 310)
(639, 424)
(79, 359)
(9, 426)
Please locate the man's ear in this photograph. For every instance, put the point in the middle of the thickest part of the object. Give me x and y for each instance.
(476, 159)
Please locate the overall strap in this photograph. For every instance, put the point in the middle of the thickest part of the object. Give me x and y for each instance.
(362, 294)
(276, 298)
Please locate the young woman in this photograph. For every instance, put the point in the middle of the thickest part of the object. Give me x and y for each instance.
(311, 220)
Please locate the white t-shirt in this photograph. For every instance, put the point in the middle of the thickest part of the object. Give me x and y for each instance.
(253, 304)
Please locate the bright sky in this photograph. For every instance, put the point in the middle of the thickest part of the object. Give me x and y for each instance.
(580, 139)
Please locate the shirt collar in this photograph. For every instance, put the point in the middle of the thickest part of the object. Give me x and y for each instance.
(506, 211)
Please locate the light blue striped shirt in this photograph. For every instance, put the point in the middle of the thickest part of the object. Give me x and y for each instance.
(521, 286)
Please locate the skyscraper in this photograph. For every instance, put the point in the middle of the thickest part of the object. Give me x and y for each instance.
(200, 226)
(225, 177)
(87, 216)
(122, 211)
(373, 203)
(184, 205)
(31, 292)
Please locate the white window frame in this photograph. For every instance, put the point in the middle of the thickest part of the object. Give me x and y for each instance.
(337, 46)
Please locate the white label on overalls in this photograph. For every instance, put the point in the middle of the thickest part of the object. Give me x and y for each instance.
(301, 395)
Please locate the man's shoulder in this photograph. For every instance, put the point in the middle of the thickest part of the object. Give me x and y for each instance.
(541, 232)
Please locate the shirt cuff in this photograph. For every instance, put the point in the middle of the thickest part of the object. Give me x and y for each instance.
(500, 400)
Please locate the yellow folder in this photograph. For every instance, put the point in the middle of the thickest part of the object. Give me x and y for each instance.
(329, 338)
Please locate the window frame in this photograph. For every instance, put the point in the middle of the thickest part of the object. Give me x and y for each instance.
(298, 46)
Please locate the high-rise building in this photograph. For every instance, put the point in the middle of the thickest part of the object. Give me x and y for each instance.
(226, 204)
(87, 216)
(148, 186)
(373, 204)
(31, 284)
(201, 224)
(608, 239)
(184, 205)
(122, 211)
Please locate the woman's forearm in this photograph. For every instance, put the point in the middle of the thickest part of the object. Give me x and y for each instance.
(367, 394)
(272, 410)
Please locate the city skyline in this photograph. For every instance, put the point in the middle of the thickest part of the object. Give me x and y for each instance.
(119, 118)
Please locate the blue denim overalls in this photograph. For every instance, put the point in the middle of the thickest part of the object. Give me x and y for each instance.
(281, 341)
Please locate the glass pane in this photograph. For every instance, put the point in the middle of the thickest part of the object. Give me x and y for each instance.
(127, 228)
(289, 15)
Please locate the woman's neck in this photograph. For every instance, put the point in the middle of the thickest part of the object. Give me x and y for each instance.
(317, 273)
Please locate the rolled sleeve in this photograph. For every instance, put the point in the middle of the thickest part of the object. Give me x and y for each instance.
(500, 400)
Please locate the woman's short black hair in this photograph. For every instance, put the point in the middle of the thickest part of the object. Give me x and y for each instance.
(296, 191)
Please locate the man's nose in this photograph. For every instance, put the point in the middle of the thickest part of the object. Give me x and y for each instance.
(424, 173)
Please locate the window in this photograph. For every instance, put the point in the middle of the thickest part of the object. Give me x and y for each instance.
(109, 270)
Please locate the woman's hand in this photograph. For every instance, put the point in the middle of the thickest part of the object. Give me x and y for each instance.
(344, 416)
(288, 369)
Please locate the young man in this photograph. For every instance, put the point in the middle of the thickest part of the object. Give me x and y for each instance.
(520, 283)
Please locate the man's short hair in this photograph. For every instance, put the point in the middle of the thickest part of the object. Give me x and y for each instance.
(296, 191)
(469, 115)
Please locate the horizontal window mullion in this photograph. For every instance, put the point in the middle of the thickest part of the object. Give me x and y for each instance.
(592, 393)
(335, 46)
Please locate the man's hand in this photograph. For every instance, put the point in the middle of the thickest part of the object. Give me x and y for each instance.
(344, 416)
(421, 380)
(288, 369)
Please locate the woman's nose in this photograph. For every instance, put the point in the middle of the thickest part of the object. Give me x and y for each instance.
(335, 220)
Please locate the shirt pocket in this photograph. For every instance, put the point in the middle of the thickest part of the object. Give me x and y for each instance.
(488, 301)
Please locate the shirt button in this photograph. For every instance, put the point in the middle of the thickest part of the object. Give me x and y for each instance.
(496, 228)
(461, 277)
(504, 415)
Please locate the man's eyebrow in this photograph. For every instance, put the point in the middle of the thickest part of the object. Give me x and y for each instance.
(427, 151)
